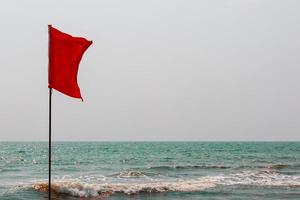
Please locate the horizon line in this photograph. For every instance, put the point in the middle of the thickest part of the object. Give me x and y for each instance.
(152, 141)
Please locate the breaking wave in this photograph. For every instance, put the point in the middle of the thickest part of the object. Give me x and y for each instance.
(79, 188)
(257, 178)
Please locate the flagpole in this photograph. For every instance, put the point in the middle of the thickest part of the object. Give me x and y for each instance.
(49, 178)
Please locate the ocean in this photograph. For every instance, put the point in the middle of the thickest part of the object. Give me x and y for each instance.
(151, 170)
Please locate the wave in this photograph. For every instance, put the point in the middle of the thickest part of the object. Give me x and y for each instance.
(258, 178)
(132, 173)
(77, 188)
(81, 189)
(278, 166)
(166, 167)
(274, 166)
(9, 170)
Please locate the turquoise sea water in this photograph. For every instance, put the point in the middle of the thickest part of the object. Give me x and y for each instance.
(151, 170)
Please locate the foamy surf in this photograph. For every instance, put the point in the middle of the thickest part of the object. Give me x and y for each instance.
(79, 188)
(256, 178)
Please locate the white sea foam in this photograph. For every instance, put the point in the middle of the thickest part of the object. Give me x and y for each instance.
(258, 178)
(81, 189)
(253, 178)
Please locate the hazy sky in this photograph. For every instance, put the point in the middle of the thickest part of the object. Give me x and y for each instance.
(157, 70)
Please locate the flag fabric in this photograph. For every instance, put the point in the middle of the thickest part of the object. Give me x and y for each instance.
(65, 53)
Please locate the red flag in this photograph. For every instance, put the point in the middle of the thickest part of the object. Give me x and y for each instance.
(65, 53)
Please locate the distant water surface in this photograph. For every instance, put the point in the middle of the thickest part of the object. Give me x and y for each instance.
(151, 170)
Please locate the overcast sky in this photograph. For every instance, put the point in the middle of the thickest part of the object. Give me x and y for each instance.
(157, 70)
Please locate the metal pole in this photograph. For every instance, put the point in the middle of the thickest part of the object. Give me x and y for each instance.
(49, 183)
